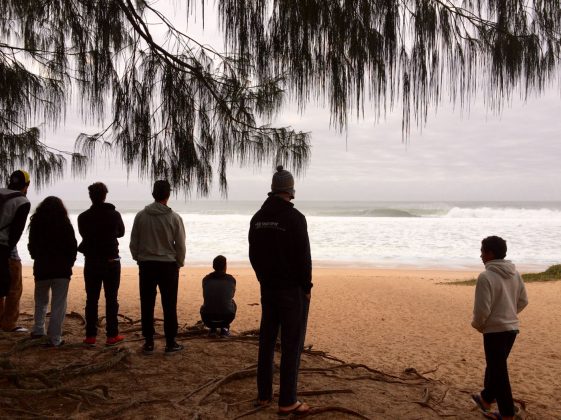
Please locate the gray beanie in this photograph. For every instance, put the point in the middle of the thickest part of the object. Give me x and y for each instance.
(283, 181)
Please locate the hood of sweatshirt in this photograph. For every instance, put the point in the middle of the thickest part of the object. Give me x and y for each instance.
(504, 268)
(157, 209)
(275, 205)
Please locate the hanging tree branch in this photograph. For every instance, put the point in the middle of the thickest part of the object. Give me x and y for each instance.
(183, 111)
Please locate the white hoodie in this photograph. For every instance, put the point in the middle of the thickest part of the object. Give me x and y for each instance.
(499, 296)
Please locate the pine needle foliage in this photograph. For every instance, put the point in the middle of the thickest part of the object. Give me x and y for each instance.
(180, 110)
(411, 53)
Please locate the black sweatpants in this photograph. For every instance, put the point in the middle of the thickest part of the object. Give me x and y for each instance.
(497, 384)
(97, 273)
(161, 275)
(287, 310)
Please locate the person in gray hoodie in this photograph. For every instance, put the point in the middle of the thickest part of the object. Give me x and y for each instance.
(499, 296)
(158, 246)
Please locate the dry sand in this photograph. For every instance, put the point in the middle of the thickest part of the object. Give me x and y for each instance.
(388, 319)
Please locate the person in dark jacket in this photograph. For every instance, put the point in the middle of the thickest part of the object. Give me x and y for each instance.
(279, 251)
(53, 247)
(219, 307)
(14, 210)
(100, 226)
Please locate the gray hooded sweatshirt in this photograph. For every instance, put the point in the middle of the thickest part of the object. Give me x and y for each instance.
(499, 296)
(158, 234)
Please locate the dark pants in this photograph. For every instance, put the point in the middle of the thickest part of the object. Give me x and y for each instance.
(217, 320)
(161, 275)
(98, 272)
(4, 270)
(287, 310)
(497, 385)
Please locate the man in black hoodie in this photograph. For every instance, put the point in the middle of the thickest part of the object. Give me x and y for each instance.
(279, 251)
(100, 226)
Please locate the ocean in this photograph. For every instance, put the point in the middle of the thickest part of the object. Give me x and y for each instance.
(367, 234)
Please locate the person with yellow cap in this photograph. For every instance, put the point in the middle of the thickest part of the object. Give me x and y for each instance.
(14, 209)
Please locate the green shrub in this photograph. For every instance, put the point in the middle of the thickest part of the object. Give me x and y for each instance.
(553, 273)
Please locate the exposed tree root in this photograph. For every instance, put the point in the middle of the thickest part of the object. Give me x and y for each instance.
(119, 411)
(306, 393)
(239, 374)
(88, 392)
(21, 345)
(131, 329)
(414, 372)
(378, 376)
(45, 384)
(250, 412)
(28, 414)
(76, 315)
(323, 355)
(320, 410)
(17, 377)
(194, 391)
(66, 373)
(123, 317)
(424, 402)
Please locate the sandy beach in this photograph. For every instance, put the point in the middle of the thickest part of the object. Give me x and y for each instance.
(388, 319)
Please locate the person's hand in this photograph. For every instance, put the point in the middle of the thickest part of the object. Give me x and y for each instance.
(308, 296)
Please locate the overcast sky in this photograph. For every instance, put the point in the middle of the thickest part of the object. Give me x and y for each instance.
(456, 157)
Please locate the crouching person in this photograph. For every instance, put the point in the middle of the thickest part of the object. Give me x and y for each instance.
(219, 308)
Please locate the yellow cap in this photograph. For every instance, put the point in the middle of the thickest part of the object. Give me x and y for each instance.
(26, 175)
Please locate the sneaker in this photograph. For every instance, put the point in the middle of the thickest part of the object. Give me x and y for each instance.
(111, 341)
(19, 330)
(89, 341)
(148, 348)
(35, 336)
(224, 332)
(173, 348)
(212, 332)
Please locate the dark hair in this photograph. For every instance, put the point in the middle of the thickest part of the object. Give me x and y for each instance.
(17, 180)
(49, 215)
(161, 190)
(98, 191)
(219, 263)
(496, 245)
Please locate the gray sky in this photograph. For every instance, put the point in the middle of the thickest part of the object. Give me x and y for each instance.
(514, 156)
(456, 157)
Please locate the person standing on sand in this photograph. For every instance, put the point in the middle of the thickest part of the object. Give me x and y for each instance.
(219, 307)
(279, 251)
(100, 226)
(13, 214)
(53, 247)
(500, 295)
(158, 245)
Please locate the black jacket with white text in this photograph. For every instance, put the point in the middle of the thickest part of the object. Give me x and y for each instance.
(279, 247)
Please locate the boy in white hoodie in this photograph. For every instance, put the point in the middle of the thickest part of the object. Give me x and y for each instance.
(499, 296)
